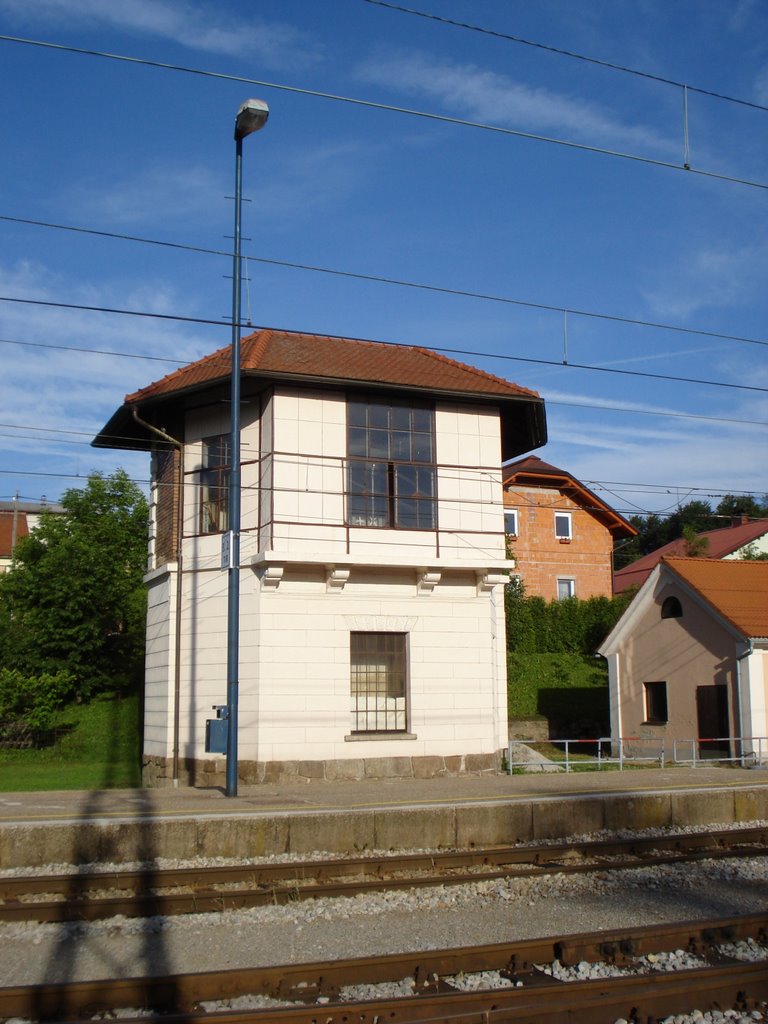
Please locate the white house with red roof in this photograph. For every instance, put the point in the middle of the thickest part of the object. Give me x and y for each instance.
(372, 567)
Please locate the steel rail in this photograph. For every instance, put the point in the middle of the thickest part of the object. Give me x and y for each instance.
(317, 986)
(95, 895)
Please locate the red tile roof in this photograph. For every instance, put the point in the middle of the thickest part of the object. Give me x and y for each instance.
(720, 543)
(268, 356)
(303, 356)
(736, 588)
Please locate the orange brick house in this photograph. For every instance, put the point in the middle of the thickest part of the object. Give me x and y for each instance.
(560, 533)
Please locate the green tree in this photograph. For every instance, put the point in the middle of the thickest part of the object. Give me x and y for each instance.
(696, 546)
(74, 600)
(734, 505)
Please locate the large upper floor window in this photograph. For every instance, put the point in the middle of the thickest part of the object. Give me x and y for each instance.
(214, 485)
(391, 476)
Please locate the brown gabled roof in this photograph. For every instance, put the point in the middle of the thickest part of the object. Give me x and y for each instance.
(735, 588)
(534, 472)
(272, 355)
(720, 544)
(339, 359)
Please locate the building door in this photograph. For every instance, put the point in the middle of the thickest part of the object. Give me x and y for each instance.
(712, 718)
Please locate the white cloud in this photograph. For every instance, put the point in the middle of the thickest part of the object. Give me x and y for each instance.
(466, 90)
(706, 278)
(158, 194)
(761, 86)
(193, 25)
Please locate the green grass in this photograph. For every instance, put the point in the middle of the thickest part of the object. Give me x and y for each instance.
(96, 746)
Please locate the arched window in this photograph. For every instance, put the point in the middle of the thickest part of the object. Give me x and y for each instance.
(671, 608)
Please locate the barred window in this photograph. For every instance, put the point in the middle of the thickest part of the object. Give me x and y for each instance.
(378, 667)
(391, 477)
(214, 485)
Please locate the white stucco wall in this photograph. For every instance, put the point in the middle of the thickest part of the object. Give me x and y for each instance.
(442, 588)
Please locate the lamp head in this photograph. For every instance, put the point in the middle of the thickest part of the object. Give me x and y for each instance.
(251, 116)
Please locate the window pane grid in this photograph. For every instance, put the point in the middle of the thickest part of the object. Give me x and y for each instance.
(214, 485)
(391, 478)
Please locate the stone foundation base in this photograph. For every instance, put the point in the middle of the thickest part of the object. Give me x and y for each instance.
(208, 772)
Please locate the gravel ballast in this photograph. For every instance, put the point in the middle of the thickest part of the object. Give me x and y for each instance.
(378, 924)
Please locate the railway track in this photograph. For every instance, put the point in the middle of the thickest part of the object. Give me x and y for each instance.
(92, 895)
(437, 984)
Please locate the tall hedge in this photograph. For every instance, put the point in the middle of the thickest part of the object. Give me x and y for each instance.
(573, 626)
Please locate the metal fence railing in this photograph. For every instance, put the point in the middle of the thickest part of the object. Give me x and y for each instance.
(605, 752)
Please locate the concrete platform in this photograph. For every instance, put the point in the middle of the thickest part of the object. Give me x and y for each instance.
(69, 827)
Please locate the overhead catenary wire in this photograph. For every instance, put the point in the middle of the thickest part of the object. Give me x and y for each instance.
(646, 374)
(395, 109)
(494, 355)
(609, 65)
(377, 538)
(401, 283)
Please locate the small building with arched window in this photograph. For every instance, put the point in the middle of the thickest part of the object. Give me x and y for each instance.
(688, 662)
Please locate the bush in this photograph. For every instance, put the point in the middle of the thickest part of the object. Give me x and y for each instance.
(535, 626)
(28, 704)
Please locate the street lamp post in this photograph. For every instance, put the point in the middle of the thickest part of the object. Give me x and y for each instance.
(251, 116)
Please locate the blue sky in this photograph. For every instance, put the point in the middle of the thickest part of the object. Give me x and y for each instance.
(125, 148)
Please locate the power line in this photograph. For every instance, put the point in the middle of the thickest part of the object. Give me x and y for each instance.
(392, 108)
(610, 65)
(645, 374)
(655, 412)
(398, 282)
(90, 351)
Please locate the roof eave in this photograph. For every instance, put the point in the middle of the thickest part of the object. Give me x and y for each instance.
(523, 417)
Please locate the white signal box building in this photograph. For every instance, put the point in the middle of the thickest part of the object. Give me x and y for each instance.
(372, 561)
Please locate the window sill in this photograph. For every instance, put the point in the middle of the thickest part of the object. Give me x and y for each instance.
(565, 540)
(656, 722)
(362, 737)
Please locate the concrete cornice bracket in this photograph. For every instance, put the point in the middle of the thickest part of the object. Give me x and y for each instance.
(486, 581)
(428, 580)
(272, 577)
(336, 579)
